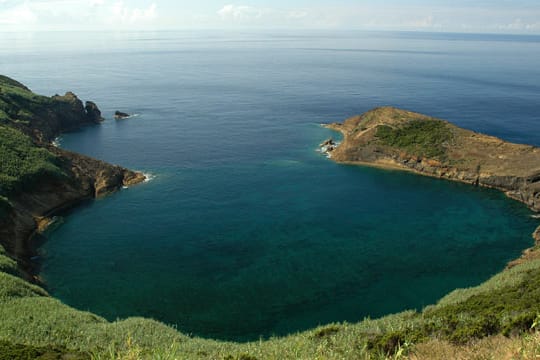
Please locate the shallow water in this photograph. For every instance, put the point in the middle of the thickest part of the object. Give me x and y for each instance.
(245, 230)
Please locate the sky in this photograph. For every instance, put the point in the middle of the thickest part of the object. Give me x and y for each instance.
(496, 16)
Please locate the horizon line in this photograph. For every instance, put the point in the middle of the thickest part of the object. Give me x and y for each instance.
(259, 30)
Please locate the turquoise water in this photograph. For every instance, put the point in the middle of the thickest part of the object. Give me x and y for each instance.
(245, 230)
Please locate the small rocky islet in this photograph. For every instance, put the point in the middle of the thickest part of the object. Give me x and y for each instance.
(119, 115)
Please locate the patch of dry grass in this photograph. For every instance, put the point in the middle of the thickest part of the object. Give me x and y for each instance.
(491, 348)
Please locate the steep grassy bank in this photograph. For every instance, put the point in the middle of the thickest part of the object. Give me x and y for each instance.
(33, 324)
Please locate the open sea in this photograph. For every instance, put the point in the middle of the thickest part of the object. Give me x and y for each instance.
(245, 231)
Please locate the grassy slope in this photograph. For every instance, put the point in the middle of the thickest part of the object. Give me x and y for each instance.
(17, 103)
(32, 323)
(21, 161)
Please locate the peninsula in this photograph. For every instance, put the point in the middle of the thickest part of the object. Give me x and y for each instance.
(398, 139)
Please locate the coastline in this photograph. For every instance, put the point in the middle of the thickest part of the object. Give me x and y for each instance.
(27, 247)
(63, 179)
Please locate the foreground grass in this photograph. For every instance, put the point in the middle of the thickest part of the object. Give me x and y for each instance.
(507, 304)
(498, 347)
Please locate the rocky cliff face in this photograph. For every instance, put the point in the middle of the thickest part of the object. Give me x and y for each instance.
(64, 113)
(428, 146)
(43, 119)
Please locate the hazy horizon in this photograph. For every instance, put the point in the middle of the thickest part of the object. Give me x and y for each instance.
(497, 17)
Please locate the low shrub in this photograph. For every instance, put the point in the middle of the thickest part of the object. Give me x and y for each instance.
(426, 138)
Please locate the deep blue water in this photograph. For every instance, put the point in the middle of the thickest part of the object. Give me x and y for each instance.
(245, 230)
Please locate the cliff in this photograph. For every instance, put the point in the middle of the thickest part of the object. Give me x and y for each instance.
(37, 179)
(400, 139)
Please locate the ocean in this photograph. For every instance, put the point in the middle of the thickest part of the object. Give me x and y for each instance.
(244, 230)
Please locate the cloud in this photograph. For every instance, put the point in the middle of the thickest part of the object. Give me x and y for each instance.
(120, 13)
(32, 15)
(240, 12)
(520, 25)
(19, 15)
(297, 14)
(76, 15)
(425, 22)
(238, 15)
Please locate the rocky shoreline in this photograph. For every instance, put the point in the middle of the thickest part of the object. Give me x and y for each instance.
(83, 179)
(380, 138)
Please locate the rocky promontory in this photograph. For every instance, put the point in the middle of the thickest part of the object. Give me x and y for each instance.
(37, 179)
(400, 139)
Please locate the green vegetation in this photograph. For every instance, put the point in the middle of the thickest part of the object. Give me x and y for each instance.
(5, 205)
(6, 81)
(19, 104)
(22, 162)
(427, 138)
(508, 303)
(7, 265)
(10, 351)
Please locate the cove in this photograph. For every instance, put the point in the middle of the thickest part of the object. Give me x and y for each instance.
(240, 251)
(245, 230)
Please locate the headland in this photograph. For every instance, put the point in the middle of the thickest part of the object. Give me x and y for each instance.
(39, 180)
(397, 139)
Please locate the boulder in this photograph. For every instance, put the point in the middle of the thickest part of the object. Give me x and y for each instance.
(328, 142)
(118, 115)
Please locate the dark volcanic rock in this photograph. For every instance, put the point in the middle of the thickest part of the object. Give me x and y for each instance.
(328, 142)
(93, 113)
(118, 115)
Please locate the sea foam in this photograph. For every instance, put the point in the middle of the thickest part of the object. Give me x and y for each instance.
(57, 142)
(149, 177)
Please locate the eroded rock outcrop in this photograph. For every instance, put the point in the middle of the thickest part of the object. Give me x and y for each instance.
(93, 114)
